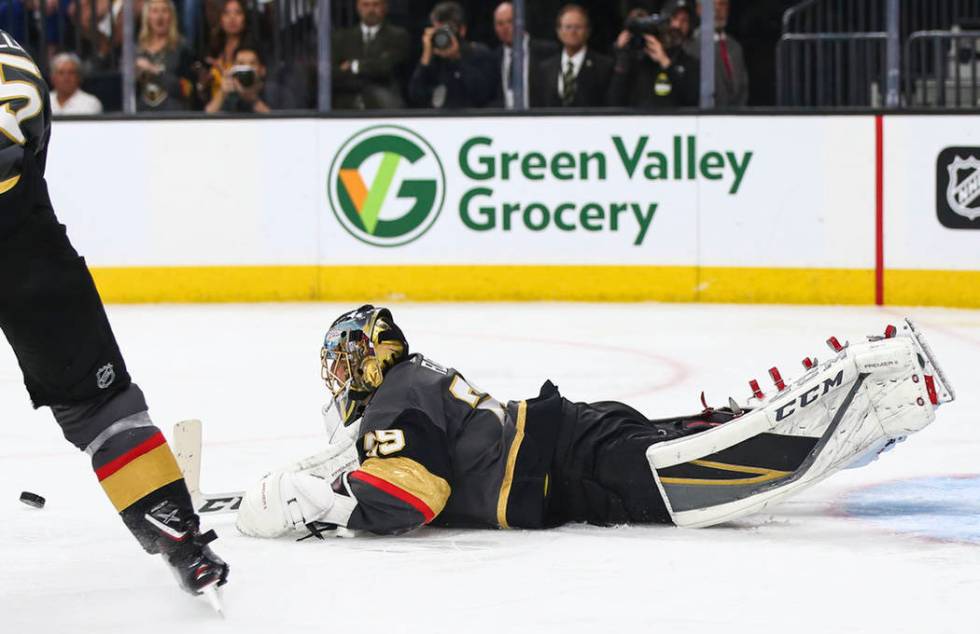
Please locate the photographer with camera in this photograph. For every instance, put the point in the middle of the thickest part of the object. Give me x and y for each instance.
(242, 86)
(452, 73)
(652, 68)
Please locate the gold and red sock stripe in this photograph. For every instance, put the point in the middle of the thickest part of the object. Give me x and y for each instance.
(408, 481)
(138, 471)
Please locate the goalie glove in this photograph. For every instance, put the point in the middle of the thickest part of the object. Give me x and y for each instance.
(329, 464)
(287, 501)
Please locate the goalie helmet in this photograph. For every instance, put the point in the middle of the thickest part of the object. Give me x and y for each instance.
(358, 349)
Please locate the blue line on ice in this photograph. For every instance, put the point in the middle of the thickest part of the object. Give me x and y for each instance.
(945, 507)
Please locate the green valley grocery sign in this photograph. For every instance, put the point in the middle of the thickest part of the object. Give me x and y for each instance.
(502, 189)
(405, 194)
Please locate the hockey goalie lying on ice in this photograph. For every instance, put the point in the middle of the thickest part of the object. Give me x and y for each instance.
(422, 445)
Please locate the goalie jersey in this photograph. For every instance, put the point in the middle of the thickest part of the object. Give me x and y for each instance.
(435, 449)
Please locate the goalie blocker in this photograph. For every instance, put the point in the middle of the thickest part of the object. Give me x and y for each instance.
(841, 413)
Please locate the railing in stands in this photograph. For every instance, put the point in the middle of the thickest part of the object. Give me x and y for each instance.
(831, 69)
(942, 69)
(860, 16)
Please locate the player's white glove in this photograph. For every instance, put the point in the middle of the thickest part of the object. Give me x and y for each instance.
(284, 501)
(329, 463)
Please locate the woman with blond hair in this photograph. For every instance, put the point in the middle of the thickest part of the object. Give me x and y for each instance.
(164, 64)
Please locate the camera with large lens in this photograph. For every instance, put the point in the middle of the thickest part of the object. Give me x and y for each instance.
(244, 75)
(656, 25)
(442, 38)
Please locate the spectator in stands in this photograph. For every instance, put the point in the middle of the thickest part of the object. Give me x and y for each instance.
(535, 52)
(99, 22)
(577, 77)
(164, 75)
(681, 17)
(652, 68)
(635, 13)
(231, 33)
(452, 72)
(731, 74)
(66, 79)
(367, 59)
(244, 88)
(679, 13)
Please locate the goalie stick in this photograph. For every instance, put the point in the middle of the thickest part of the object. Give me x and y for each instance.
(187, 449)
(187, 442)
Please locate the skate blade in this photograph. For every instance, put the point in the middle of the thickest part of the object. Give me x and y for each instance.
(946, 393)
(210, 593)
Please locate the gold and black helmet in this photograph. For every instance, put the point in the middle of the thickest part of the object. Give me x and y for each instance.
(358, 349)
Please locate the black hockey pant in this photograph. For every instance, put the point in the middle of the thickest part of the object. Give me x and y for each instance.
(51, 314)
(601, 473)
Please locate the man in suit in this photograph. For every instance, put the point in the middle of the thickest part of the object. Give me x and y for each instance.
(367, 60)
(535, 51)
(577, 77)
(731, 74)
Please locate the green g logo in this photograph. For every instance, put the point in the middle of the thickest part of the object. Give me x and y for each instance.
(386, 186)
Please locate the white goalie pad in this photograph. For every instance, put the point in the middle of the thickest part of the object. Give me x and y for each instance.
(848, 409)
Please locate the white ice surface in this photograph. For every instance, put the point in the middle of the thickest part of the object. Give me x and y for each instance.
(251, 373)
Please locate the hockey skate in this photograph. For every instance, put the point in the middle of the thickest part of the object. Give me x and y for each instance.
(840, 413)
(197, 569)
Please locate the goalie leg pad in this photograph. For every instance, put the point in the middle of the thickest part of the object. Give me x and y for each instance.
(868, 395)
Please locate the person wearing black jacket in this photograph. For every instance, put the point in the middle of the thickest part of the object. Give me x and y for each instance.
(452, 73)
(578, 77)
(654, 72)
(535, 51)
(368, 59)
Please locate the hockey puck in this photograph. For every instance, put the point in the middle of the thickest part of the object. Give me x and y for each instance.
(32, 499)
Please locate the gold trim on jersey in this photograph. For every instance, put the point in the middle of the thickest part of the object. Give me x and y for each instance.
(9, 184)
(515, 447)
(761, 475)
(411, 477)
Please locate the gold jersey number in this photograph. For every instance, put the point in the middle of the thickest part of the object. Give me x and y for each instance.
(12, 90)
(383, 442)
(475, 398)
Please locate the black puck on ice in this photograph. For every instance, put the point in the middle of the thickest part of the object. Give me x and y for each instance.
(32, 499)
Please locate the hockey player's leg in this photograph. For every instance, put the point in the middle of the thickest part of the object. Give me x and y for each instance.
(868, 397)
(53, 318)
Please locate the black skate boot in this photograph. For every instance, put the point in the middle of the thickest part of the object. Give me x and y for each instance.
(186, 549)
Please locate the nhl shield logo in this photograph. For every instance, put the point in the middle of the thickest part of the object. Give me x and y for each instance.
(105, 376)
(963, 190)
(958, 187)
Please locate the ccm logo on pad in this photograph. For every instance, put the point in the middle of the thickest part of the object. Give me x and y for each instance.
(809, 397)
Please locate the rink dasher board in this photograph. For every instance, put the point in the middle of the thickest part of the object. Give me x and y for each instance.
(619, 208)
